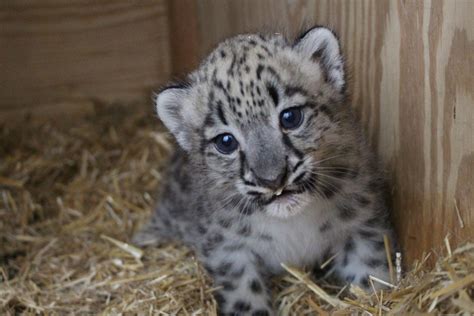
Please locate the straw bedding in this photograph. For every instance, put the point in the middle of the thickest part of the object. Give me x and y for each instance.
(71, 197)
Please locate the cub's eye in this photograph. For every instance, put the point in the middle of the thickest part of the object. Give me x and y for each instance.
(291, 118)
(226, 143)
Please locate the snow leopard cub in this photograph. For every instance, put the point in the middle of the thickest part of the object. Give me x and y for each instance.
(271, 168)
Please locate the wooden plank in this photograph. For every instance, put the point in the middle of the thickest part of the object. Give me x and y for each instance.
(57, 52)
(411, 65)
(184, 36)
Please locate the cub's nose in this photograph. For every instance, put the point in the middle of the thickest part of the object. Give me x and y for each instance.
(273, 184)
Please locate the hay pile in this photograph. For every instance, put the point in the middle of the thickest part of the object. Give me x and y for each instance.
(71, 197)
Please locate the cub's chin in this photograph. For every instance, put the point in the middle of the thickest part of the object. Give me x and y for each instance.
(287, 205)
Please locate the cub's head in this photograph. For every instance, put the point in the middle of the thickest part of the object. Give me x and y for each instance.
(264, 120)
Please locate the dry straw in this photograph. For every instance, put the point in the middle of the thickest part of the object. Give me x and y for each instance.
(70, 198)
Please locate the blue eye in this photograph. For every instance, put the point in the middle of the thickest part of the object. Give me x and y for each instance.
(226, 143)
(291, 118)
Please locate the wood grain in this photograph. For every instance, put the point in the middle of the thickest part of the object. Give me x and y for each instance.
(184, 36)
(59, 56)
(411, 65)
(412, 70)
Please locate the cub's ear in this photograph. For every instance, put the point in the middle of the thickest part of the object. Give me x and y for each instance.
(322, 46)
(174, 109)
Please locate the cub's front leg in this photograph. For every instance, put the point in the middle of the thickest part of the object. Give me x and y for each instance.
(363, 255)
(241, 279)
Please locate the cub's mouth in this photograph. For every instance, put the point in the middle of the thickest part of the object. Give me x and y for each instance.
(282, 203)
(283, 195)
(280, 196)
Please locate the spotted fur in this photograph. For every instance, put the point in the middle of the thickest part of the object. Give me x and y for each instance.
(296, 196)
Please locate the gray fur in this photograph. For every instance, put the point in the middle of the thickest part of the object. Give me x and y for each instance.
(228, 207)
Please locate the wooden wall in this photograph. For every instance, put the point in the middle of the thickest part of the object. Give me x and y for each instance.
(411, 64)
(63, 56)
(412, 69)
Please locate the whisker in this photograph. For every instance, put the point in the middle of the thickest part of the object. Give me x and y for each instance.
(319, 186)
(327, 176)
(327, 158)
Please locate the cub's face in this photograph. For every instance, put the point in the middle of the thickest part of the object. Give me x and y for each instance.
(262, 118)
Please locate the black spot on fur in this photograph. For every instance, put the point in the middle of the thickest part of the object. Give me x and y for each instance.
(233, 247)
(258, 258)
(220, 113)
(261, 312)
(289, 144)
(228, 286)
(224, 223)
(217, 238)
(223, 268)
(249, 183)
(220, 300)
(325, 109)
(350, 278)
(255, 286)
(379, 245)
(365, 281)
(266, 50)
(373, 221)
(242, 306)
(325, 227)
(292, 90)
(367, 234)
(209, 121)
(272, 71)
(346, 212)
(298, 178)
(265, 237)
(230, 71)
(349, 245)
(209, 269)
(201, 229)
(298, 164)
(244, 230)
(360, 199)
(259, 70)
(319, 272)
(345, 260)
(373, 262)
(273, 94)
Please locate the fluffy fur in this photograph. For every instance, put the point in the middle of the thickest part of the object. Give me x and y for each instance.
(295, 196)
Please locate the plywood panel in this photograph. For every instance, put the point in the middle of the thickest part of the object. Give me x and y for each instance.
(184, 36)
(412, 70)
(63, 55)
